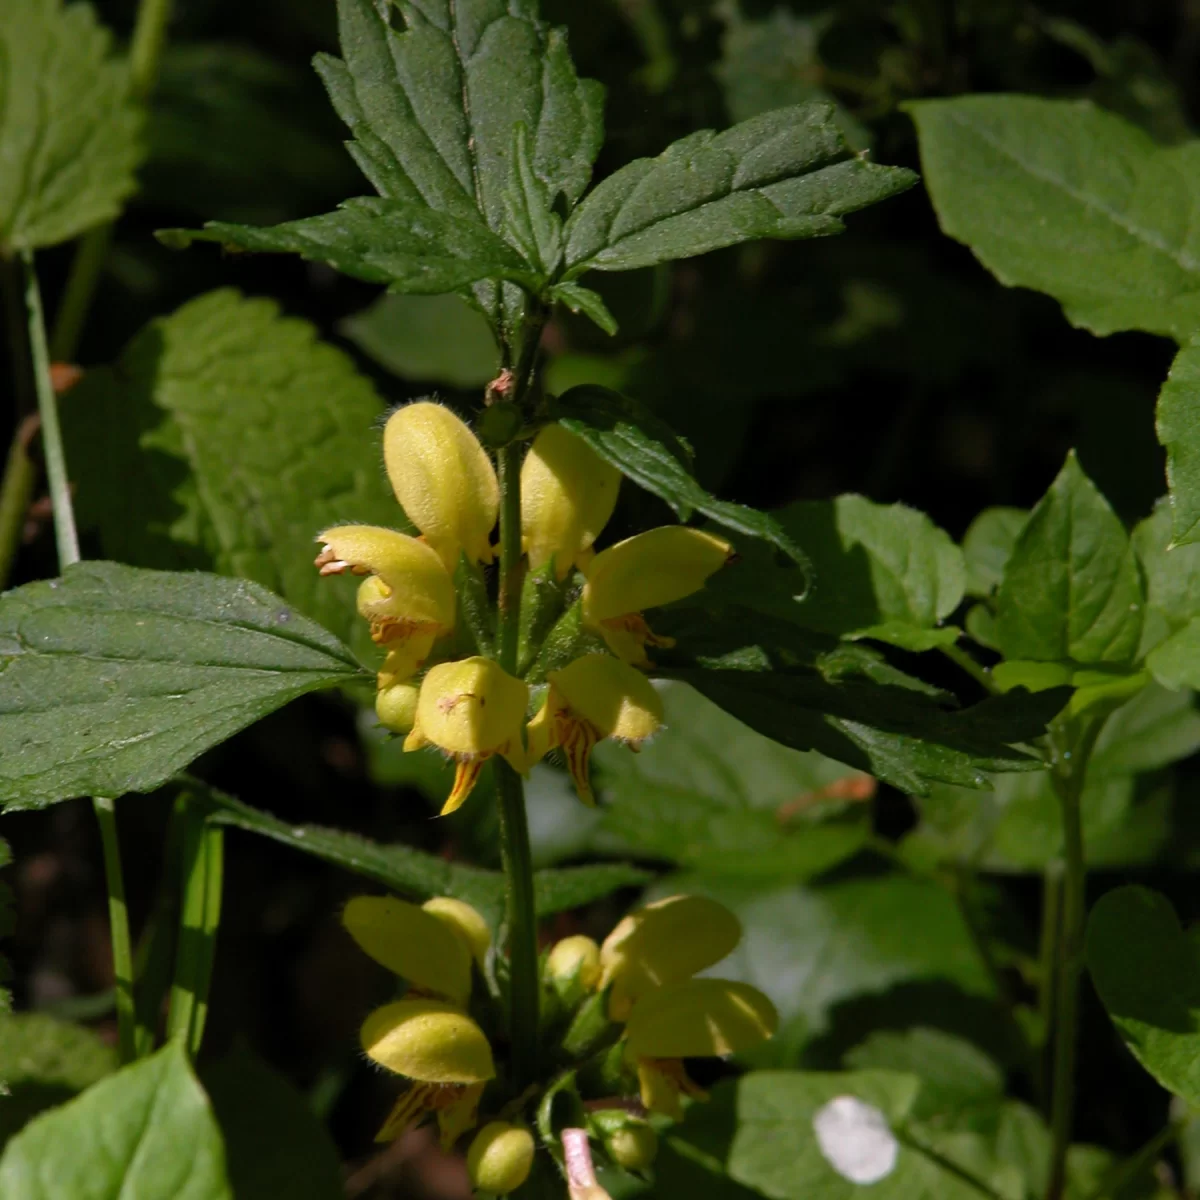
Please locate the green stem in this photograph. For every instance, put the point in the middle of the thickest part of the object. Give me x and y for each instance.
(1126, 1172)
(1071, 746)
(145, 55)
(65, 536)
(68, 553)
(509, 593)
(118, 920)
(980, 674)
(1052, 897)
(203, 873)
(521, 919)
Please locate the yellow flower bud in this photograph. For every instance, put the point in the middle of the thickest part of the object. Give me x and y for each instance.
(575, 958)
(465, 922)
(414, 944)
(500, 1158)
(429, 1041)
(700, 1018)
(443, 479)
(645, 571)
(663, 943)
(591, 698)
(568, 493)
(396, 706)
(470, 710)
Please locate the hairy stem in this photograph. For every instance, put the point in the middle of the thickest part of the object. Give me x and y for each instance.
(203, 872)
(962, 659)
(1071, 746)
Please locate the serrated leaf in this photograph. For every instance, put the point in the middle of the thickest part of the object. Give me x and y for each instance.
(112, 678)
(69, 134)
(1147, 971)
(1065, 198)
(44, 1062)
(645, 450)
(274, 1143)
(988, 545)
(1178, 425)
(712, 795)
(784, 174)
(441, 339)
(226, 437)
(532, 223)
(410, 247)
(145, 1131)
(1071, 589)
(412, 872)
(433, 108)
(894, 734)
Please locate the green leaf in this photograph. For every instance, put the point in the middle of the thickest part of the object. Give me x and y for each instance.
(779, 1132)
(433, 109)
(43, 1063)
(69, 135)
(226, 437)
(988, 545)
(113, 678)
(409, 247)
(1126, 819)
(783, 174)
(414, 873)
(580, 299)
(645, 450)
(1172, 574)
(441, 339)
(145, 1131)
(1175, 662)
(1065, 198)
(274, 1143)
(1178, 425)
(894, 734)
(884, 572)
(710, 794)
(533, 225)
(1147, 971)
(1071, 590)
(774, 61)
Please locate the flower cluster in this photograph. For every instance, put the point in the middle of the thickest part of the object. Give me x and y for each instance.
(641, 984)
(472, 708)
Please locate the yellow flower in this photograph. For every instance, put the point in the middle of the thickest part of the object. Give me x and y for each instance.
(645, 571)
(414, 943)
(396, 703)
(443, 479)
(408, 595)
(592, 698)
(697, 1018)
(443, 1051)
(568, 493)
(500, 1158)
(575, 959)
(664, 943)
(466, 923)
(470, 710)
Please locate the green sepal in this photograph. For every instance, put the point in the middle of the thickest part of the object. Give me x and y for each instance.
(591, 1030)
(543, 598)
(476, 620)
(561, 1108)
(566, 641)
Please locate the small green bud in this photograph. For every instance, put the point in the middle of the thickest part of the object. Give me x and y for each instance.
(500, 1158)
(633, 1147)
(574, 963)
(499, 424)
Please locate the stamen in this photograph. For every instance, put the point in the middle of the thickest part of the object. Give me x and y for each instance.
(330, 564)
